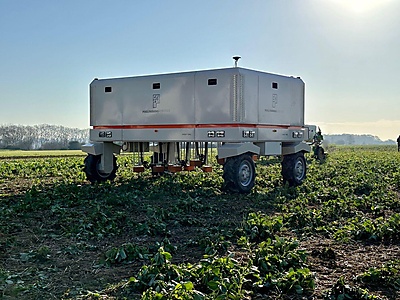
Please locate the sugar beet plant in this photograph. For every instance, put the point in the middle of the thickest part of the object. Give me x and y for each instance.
(274, 267)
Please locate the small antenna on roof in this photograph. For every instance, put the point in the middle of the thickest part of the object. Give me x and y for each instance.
(236, 58)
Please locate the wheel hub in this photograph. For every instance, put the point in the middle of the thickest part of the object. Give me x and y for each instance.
(245, 174)
(299, 170)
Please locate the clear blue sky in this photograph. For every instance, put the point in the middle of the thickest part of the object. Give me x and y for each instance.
(347, 52)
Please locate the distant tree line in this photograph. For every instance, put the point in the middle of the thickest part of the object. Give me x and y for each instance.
(355, 139)
(42, 137)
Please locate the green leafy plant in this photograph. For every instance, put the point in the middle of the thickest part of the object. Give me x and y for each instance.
(259, 227)
(386, 276)
(282, 266)
(343, 291)
(125, 253)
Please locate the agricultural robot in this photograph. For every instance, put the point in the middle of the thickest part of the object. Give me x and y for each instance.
(180, 118)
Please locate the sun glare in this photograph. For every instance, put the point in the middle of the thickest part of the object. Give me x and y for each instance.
(361, 6)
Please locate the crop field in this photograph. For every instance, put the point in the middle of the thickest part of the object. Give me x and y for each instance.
(7, 154)
(178, 236)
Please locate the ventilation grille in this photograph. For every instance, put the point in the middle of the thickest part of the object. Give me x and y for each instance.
(237, 103)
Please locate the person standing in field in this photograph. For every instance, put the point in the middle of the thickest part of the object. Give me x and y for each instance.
(398, 144)
(318, 137)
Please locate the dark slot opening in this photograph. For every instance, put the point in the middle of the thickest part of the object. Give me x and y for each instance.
(275, 85)
(156, 86)
(108, 89)
(212, 81)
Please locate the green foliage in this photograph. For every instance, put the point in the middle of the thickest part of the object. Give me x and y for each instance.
(214, 243)
(125, 253)
(160, 275)
(283, 266)
(371, 229)
(386, 276)
(243, 246)
(343, 291)
(212, 278)
(259, 226)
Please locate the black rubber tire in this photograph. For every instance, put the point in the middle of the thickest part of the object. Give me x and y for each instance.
(294, 169)
(92, 169)
(239, 174)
